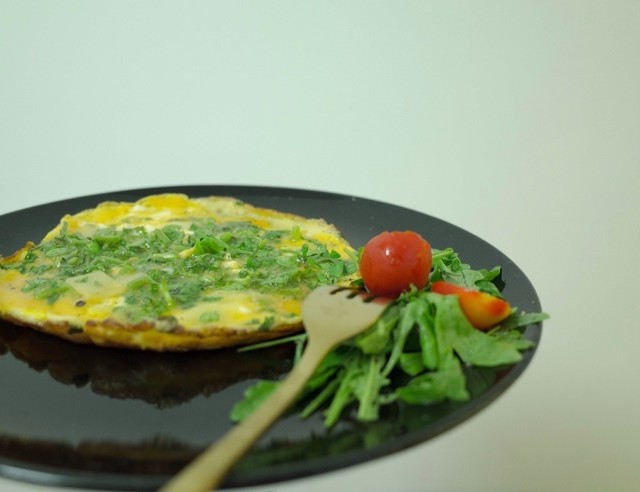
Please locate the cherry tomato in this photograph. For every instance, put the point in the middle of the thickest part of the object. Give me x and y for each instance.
(392, 262)
(481, 309)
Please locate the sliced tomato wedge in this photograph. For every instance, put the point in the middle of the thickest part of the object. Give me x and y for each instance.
(483, 310)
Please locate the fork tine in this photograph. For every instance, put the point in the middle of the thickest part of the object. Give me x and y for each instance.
(336, 310)
(366, 296)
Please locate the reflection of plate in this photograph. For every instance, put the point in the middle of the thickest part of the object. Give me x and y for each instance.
(155, 378)
(106, 418)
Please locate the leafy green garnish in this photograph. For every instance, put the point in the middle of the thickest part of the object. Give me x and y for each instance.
(417, 352)
(447, 266)
(254, 396)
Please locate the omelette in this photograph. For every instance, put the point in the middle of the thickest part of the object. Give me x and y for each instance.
(173, 273)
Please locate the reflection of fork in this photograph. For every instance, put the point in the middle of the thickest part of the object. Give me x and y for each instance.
(331, 316)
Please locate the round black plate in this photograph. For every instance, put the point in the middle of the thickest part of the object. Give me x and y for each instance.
(106, 418)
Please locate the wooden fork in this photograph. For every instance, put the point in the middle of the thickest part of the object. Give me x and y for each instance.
(331, 316)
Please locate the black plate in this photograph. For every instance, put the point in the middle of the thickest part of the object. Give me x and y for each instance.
(106, 418)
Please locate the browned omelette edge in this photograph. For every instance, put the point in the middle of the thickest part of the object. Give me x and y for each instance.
(110, 333)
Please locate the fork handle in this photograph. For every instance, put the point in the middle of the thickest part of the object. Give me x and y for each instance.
(208, 470)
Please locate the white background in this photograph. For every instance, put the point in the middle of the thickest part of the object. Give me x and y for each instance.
(518, 121)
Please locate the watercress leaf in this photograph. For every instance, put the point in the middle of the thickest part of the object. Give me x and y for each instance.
(488, 287)
(409, 316)
(254, 396)
(328, 368)
(429, 345)
(321, 397)
(300, 337)
(519, 319)
(447, 266)
(463, 276)
(343, 396)
(446, 383)
(378, 338)
(411, 363)
(491, 275)
(367, 387)
(472, 345)
(514, 337)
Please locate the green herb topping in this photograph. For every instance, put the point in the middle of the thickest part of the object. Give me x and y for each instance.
(176, 266)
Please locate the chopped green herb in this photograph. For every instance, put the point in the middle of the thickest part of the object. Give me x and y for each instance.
(267, 323)
(178, 266)
(296, 235)
(210, 316)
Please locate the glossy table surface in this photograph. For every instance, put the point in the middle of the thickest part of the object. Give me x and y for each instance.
(515, 121)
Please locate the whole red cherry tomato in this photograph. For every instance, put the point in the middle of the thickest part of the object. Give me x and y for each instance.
(392, 262)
